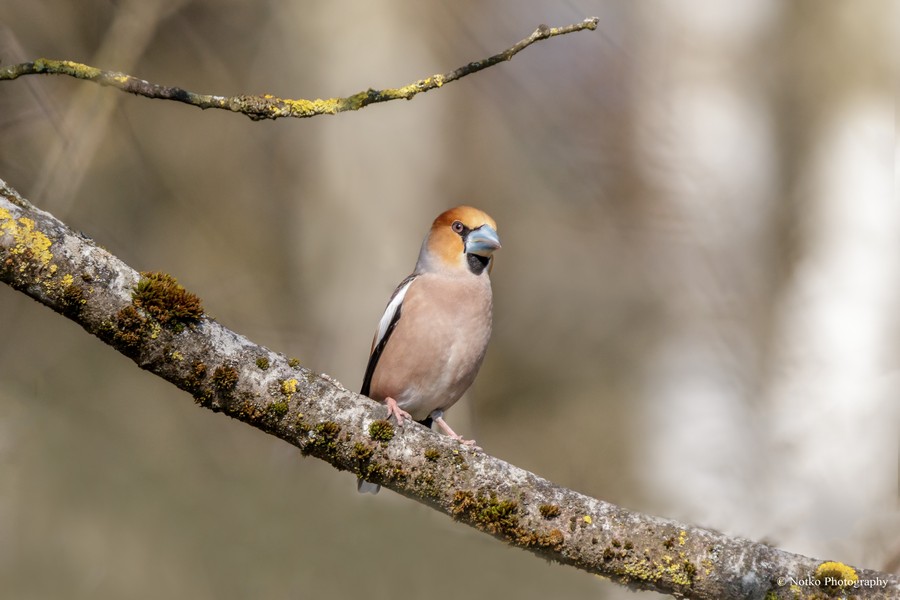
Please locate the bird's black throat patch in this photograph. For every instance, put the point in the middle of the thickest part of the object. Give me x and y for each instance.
(477, 263)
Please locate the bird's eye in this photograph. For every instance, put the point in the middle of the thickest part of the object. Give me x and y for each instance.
(457, 226)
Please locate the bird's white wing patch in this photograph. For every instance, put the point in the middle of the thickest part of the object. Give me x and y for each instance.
(391, 310)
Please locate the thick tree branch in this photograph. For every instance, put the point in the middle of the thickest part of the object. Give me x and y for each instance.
(163, 328)
(267, 106)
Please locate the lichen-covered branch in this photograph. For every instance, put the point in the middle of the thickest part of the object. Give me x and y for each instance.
(266, 106)
(154, 321)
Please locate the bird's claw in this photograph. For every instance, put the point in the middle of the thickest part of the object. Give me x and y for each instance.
(397, 412)
(438, 417)
(470, 443)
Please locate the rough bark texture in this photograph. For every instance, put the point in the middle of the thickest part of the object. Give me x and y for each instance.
(162, 327)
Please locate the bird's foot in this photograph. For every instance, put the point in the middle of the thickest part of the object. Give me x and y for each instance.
(438, 417)
(397, 412)
(470, 443)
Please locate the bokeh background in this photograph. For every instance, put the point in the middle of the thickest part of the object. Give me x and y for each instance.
(695, 304)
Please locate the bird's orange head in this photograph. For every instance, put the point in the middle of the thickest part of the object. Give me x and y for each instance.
(461, 240)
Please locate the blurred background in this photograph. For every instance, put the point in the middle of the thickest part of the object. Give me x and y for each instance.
(695, 304)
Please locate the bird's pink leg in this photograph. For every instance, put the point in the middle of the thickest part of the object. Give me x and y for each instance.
(396, 411)
(438, 417)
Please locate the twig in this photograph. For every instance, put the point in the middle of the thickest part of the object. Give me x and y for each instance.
(163, 328)
(267, 106)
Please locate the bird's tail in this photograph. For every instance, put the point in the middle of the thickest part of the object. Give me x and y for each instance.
(366, 487)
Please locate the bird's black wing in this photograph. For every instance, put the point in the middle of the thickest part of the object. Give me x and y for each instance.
(385, 327)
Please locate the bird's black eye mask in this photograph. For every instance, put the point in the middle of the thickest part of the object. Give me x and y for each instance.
(477, 263)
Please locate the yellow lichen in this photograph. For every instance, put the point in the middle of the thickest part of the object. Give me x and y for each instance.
(836, 575)
(587, 519)
(680, 572)
(27, 240)
(311, 107)
(289, 387)
(78, 69)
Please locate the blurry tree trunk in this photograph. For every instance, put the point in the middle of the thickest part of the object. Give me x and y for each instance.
(829, 402)
(785, 164)
(706, 146)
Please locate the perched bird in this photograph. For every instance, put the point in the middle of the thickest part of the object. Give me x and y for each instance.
(431, 340)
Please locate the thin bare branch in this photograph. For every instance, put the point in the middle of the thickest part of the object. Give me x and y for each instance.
(163, 328)
(267, 106)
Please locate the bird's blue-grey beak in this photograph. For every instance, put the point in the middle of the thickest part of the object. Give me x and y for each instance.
(482, 241)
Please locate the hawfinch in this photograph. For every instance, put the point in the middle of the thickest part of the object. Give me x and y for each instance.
(434, 332)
